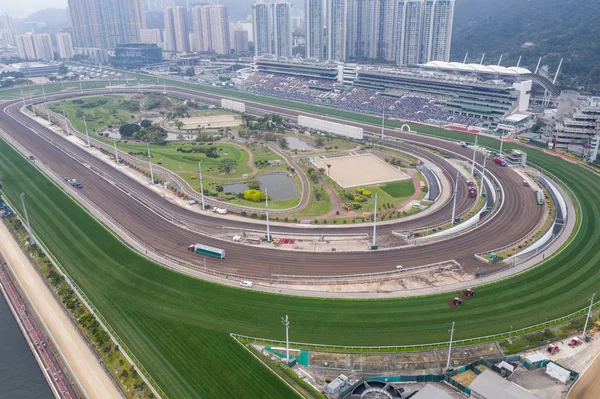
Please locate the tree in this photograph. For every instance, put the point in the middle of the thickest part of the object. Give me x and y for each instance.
(227, 166)
(283, 143)
(128, 129)
(253, 184)
(145, 123)
(320, 141)
(190, 71)
(179, 124)
(254, 195)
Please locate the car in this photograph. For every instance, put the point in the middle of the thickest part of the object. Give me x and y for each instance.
(246, 284)
(399, 268)
(191, 202)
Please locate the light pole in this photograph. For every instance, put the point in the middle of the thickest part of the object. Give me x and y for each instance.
(201, 186)
(46, 104)
(382, 122)
(150, 163)
(450, 347)
(116, 152)
(286, 323)
(588, 315)
(164, 86)
(501, 142)
(66, 120)
(31, 239)
(474, 154)
(80, 87)
(31, 100)
(455, 195)
(86, 131)
(374, 246)
(23, 97)
(268, 237)
(482, 177)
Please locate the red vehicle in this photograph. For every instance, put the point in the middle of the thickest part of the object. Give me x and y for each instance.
(500, 161)
(525, 183)
(469, 292)
(575, 342)
(473, 192)
(457, 301)
(552, 348)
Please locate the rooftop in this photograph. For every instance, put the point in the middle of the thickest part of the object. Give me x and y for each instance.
(478, 68)
(490, 385)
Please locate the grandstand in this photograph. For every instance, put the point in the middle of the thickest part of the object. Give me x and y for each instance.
(310, 69)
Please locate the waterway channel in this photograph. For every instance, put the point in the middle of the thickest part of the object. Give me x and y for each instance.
(20, 375)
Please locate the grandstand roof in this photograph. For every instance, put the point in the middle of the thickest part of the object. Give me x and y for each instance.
(477, 68)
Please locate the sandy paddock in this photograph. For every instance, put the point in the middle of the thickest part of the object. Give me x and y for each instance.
(360, 170)
(213, 121)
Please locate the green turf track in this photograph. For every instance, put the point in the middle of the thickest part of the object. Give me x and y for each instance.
(177, 326)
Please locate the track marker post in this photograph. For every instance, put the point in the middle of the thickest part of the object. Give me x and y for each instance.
(451, 331)
(31, 238)
(588, 316)
(286, 323)
(150, 163)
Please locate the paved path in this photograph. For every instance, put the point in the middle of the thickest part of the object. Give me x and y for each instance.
(82, 361)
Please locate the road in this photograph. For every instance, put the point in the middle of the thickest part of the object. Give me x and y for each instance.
(120, 197)
(92, 377)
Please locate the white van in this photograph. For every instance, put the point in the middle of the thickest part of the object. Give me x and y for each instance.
(399, 268)
(191, 202)
(246, 284)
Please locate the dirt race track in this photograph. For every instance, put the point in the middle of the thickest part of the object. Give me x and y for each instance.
(588, 385)
(121, 197)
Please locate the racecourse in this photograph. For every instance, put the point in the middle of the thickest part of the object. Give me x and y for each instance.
(178, 326)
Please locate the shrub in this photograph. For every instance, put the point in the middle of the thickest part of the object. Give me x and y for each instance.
(254, 195)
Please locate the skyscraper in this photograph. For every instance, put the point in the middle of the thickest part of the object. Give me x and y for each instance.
(352, 28)
(408, 17)
(25, 47)
(35, 47)
(211, 28)
(177, 38)
(8, 35)
(282, 29)
(337, 29)
(106, 23)
(64, 44)
(240, 41)
(314, 29)
(262, 29)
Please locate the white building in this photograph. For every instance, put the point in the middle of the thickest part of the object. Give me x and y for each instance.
(177, 38)
(282, 29)
(64, 45)
(8, 35)
(577, 125)
(150, 36)
(315, 25)
(25, 47)
(35, 47)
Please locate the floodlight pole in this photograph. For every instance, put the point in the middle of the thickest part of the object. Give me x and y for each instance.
(31, 100)
(46, 104)
(23, 97)
(109, 84)
(374, 224)
(588, 315)
(482, 177)
(86, 131)
(501, 142)
(116, 152)
(201, 186)
(80, 87)
(66, 120)
(455, 195)
(382, 122)
(31, 239)
(450, 347)
(268, 237)
(286, 323)
(474, 154)
(150, 163)
(164, 86)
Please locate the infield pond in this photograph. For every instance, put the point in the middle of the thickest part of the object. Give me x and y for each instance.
(279, 185)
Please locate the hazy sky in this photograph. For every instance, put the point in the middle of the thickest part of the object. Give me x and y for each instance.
(22, 8)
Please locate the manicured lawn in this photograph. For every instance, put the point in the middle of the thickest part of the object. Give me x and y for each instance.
(399, 189)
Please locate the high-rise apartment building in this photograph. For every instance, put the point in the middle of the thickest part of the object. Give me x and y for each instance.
(150, 36)
(315, 25)
(211, 28)
(8, 35)
(262, 29)
(337, 29)
(35, 47)
(177, 38)
(64, 45)
(408, 16)
(282, 29)
(106, 23)
(240, 41)
(352, 28)
(438, 16)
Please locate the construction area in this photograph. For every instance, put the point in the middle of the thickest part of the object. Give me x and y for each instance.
(359, 170)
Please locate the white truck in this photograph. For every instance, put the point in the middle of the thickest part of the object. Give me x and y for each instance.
(220, 211)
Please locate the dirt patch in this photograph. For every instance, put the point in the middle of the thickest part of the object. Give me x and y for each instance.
(465, 378)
